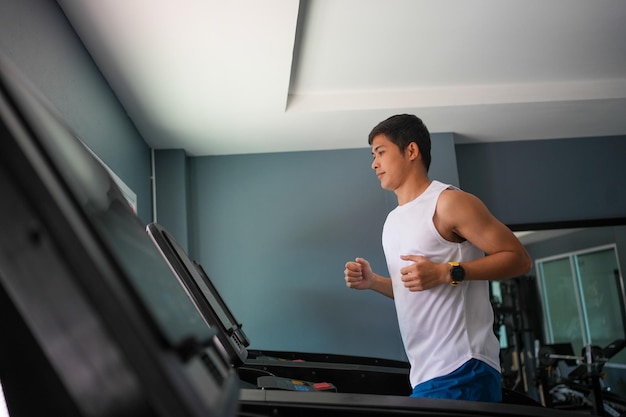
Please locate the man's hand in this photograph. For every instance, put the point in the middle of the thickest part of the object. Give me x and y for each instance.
(358, 274)
(423, 274)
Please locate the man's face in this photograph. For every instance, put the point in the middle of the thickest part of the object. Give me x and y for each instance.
(391, 165)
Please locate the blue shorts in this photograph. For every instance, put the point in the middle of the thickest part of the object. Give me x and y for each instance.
(473, 381)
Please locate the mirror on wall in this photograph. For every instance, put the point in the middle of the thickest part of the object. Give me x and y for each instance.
(574, 295)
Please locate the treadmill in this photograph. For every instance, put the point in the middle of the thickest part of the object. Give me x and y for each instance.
(93, 322)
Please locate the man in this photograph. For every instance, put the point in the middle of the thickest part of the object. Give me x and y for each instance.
(435, 243)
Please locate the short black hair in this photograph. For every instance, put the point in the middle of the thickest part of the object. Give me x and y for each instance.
(403, 129)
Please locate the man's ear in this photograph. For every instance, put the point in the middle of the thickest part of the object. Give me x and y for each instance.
(413, 151)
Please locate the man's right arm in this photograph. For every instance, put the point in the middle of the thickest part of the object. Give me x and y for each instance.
(359, 276)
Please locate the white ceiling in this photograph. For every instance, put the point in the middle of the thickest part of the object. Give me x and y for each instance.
(221, 77)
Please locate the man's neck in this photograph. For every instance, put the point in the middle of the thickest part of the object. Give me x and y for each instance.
(410, 190)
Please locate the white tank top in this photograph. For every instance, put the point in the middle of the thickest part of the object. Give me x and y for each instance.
(444, 327)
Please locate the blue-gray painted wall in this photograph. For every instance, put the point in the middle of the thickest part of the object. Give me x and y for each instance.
(547, 180)
(274, 232)
(171, 193)
(37, 38)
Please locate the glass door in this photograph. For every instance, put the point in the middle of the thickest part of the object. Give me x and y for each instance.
(562, 311)
(583, 297)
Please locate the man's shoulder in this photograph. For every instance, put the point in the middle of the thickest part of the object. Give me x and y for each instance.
(454, 201)
(455, 205)
(453, 194)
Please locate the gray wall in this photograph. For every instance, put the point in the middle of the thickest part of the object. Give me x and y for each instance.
(171, 193)
(547, 180)
(274, 232)
(37, 38)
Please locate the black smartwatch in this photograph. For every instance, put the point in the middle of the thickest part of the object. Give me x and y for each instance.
(457, 273)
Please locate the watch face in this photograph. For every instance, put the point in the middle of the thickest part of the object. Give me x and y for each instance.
(457, 273)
